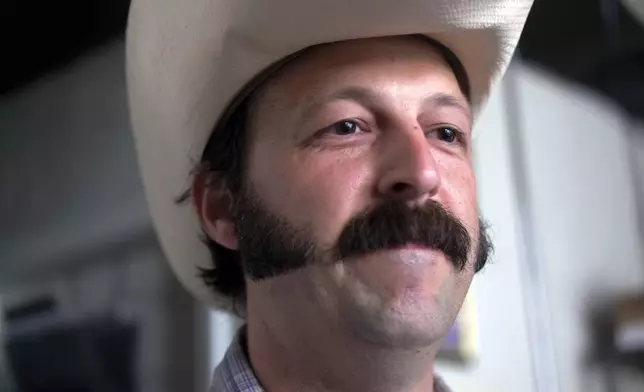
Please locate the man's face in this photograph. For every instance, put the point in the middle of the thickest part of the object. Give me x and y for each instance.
(359, 202)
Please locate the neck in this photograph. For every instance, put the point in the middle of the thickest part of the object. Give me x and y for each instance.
(317, 358)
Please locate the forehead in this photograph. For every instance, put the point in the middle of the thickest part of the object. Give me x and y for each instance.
(376, 63)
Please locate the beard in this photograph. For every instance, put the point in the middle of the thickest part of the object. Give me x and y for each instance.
(270, 246)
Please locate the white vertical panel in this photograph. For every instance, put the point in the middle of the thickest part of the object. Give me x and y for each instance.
(584, 212)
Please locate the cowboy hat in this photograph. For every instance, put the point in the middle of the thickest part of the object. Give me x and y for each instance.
(188, 59)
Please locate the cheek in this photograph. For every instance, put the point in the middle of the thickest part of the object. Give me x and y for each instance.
(458, 192)
(459, 185)
(318, 191)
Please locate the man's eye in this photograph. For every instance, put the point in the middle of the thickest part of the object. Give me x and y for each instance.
(446, 134)
(345, 127)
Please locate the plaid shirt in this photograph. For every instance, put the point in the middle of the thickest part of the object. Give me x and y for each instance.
(234, 373)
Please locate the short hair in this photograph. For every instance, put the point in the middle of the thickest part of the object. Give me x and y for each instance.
(225, 157)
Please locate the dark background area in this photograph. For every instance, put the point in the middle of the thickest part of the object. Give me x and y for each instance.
(39, 36)
(597, 43)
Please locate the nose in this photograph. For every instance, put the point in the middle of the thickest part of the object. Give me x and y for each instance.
(409, 168)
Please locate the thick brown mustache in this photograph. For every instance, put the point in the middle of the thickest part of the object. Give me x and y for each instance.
(270, 246)
(393, 224)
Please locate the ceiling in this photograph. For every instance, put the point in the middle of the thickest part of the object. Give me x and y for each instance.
(594, 42)
(37, 37)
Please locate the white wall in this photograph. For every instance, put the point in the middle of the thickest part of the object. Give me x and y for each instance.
(223, 328)
(636, 144)
(584, 210)
(67, 166)
(75, 224)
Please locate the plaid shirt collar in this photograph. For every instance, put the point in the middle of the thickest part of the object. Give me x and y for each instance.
(234, 373)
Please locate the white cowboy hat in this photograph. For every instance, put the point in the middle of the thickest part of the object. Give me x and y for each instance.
(188, 59)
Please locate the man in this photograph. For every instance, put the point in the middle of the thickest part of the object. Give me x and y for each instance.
(327, 151)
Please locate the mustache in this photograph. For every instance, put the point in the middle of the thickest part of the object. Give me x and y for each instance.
(270, 245)
(394, 223)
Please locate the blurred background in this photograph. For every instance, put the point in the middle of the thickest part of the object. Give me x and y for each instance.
(87, 302)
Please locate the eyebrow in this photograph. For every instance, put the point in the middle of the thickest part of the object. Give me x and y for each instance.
(450, 101)
(359, 94)
(371, 98)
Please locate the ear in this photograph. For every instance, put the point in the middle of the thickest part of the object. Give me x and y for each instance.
(212, 202)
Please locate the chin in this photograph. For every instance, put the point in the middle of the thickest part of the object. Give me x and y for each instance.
(399, 299)
(404, 323)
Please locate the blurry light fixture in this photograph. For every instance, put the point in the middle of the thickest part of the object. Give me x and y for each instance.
(636, 7)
